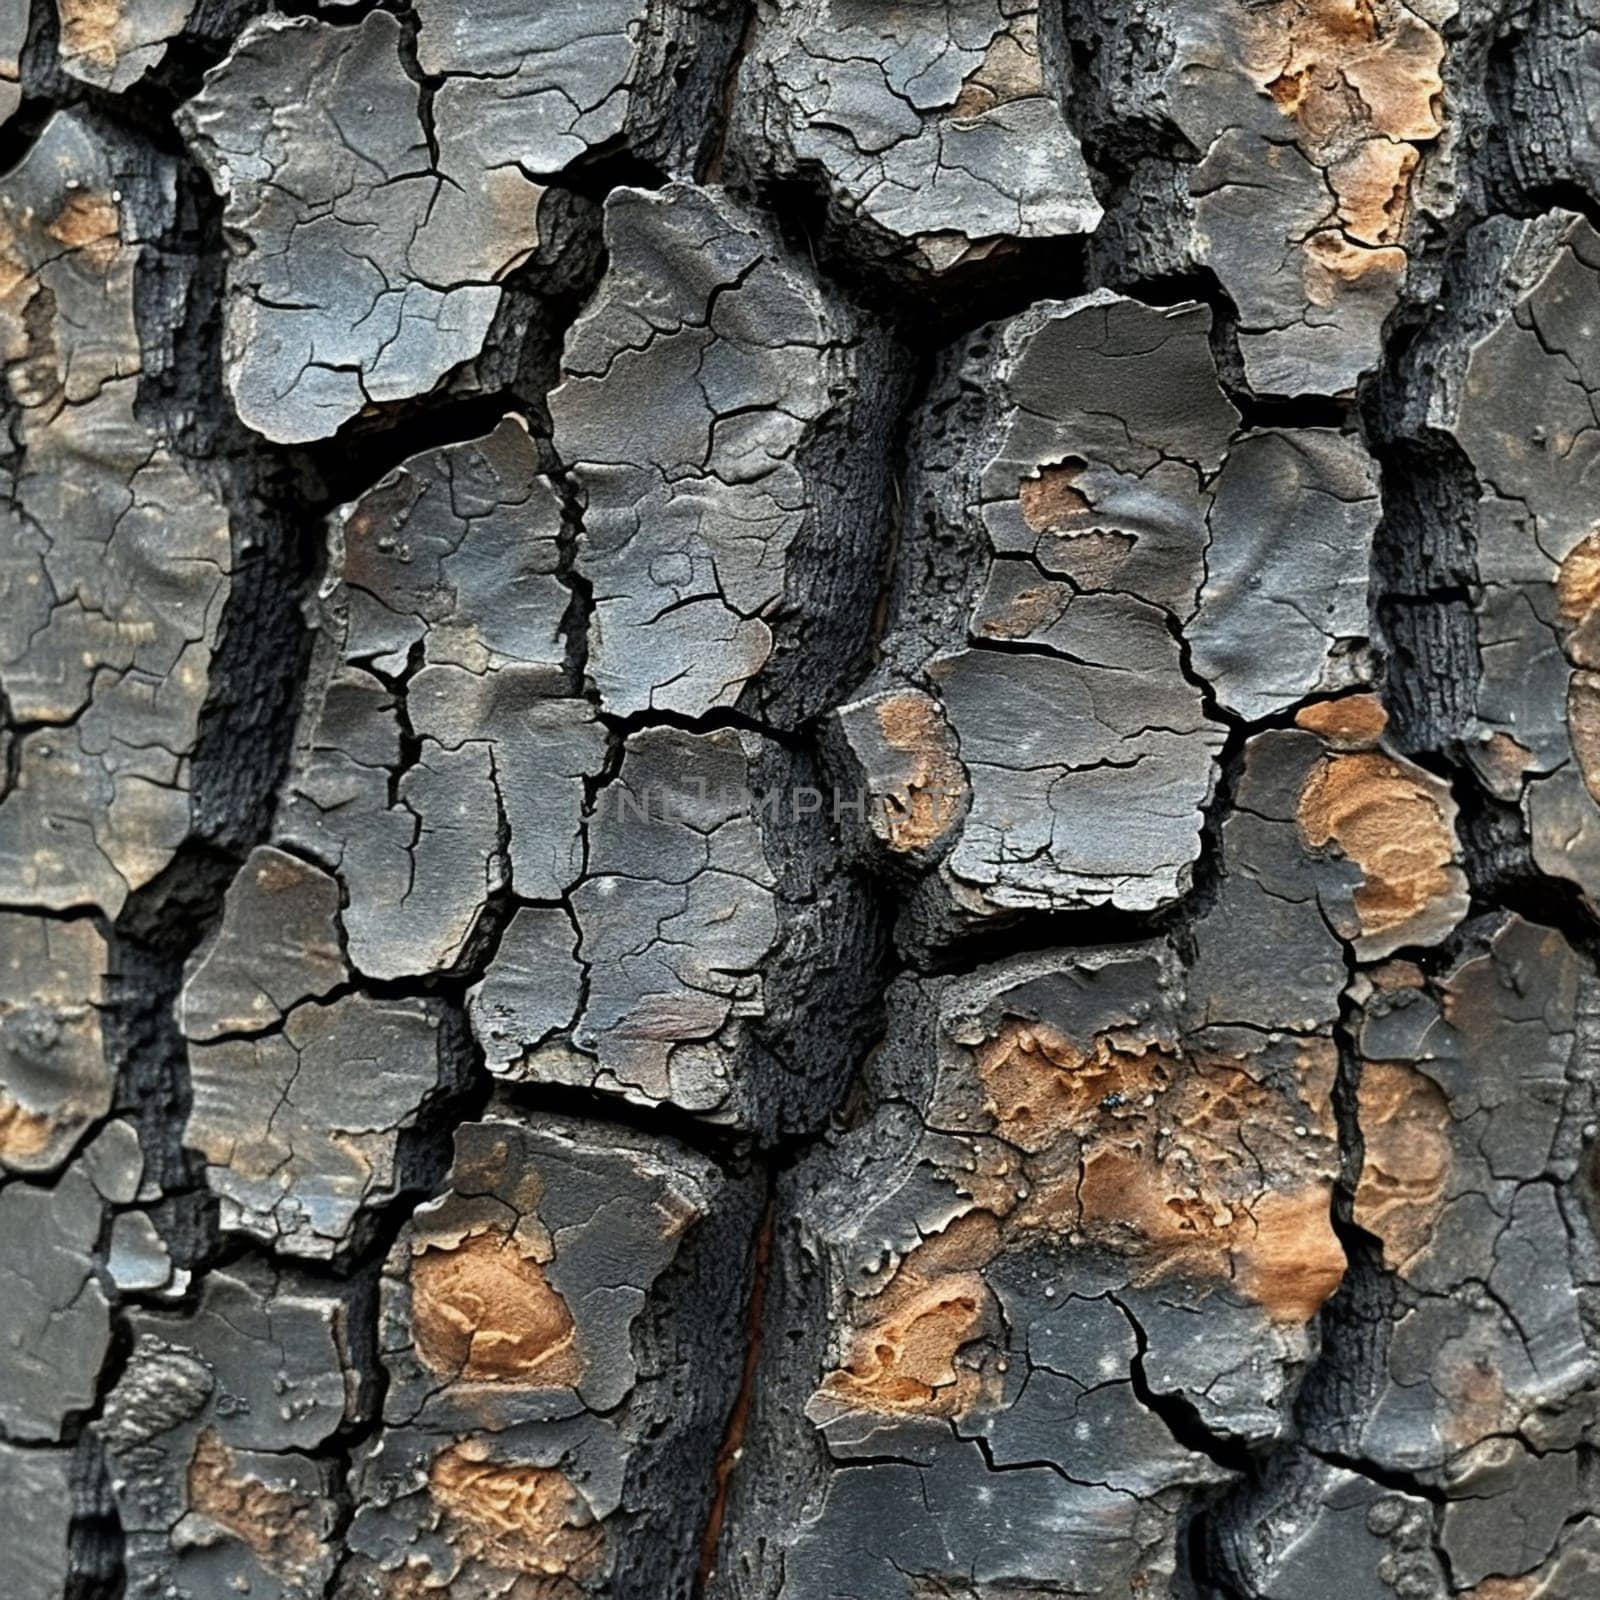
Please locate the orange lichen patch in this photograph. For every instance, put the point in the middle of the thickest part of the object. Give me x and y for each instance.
(14, 270)
(1341, 70)
(1009, 70)
(515, 1517)
(906, 1362)
(1039, 1085)
(23, 1133)
(1279, 1246)
(1405, 1130)
(902, 1360)
(91, 225)
(279, 1526)
(1291, 1261)
(1051, 500)
(1316, 1068)
(1373, 187)
(1392, 976)
(1333, 265)
(1583, 726)
(1391, 824)
(1223, 1177)
(1354, 722)
(483, 1310)
(89, 30)
(1578, 581)
(921, 809)
(1504, 762)
(1503, 1588)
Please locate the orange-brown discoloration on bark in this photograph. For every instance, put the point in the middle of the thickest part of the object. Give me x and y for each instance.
(1578, 581)
(1039, 1085)
(1290, 1261)
(1279, 1246)
(1025, 612)
(1363, 88)
(1583, 726)
(23, 1133)
(1009, 71)
(1141, 1151)
(278, 1526)
(1342, 72)
(483, 1310)
(902, 1357)
(918, 817)
(1052, 500)
(515, 1517)
(1503, 1588)
(91, 225)
(1388, 822)
(14, 272)
(1352, 722)
(89, 30)
(1373, 186)
(1333, 266)
(906, 1361)
(1505, 762)
(1405, 1131)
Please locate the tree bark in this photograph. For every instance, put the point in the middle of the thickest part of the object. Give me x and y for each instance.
(801, 800)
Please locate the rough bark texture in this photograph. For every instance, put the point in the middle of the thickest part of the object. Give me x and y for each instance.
(800, 800)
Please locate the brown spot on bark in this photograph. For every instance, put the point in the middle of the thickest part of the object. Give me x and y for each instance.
(1039, 1085)
(280, 1527)
(1279, 1246)
(1392, 825)
(89, 30)
(1009, 70)
(1393, 976)
(1025, 612)
(1352, 722)
(1504, 762)
(1583, 726)
(483, 1310)
(1343, 72)
(1180, 1184)
(902, 1358)
(1333, 265)
(1373, 186)
(23, 1133)
(906, 1361)
(1503, 1588)
(1578, 581)
(1292, 1261)
(1405, 1131)
(1050, 501)
(918, 811)
(517, 1517)
(91, 225)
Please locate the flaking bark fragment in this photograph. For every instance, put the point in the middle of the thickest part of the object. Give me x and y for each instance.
(115, 556)
(713, 957)
(939, 133)
(213, 1432)
(560, 1334)
(1094, 551)
(722, 415)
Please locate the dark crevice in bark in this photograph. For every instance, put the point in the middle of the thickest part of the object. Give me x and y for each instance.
(732, 1446)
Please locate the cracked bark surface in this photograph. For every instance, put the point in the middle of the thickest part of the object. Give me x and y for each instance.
(800, 800)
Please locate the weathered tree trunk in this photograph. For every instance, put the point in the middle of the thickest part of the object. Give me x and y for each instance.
(801, 800)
